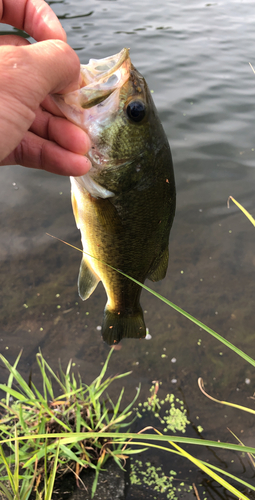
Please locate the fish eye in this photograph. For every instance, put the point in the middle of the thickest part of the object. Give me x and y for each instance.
(136, 111)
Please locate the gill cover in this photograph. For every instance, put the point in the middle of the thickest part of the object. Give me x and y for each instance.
(90, 106)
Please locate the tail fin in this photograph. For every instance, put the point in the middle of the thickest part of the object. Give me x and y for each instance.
(117, 326)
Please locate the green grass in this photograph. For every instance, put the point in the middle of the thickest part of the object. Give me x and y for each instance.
(32, 423)
(82, 427)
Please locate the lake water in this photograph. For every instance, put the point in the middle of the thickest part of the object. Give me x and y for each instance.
(195, 57)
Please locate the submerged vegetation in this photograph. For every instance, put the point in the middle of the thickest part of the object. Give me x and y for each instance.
(43, 436)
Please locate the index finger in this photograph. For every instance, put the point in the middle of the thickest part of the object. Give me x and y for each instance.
(35, 17)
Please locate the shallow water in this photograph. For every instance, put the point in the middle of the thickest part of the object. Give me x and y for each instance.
(195, 57)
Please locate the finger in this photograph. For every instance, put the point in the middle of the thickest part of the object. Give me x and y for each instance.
(14, 40)
(61, 131)
(49, 105)
(35, 17)
(36, 152)
(28, 74)
(52, 63)
(62, 66)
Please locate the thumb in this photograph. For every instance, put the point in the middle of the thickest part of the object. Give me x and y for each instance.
(27, 75)
(39, 69)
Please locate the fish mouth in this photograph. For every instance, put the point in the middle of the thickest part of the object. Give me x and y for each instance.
(97, 100)
(100, 70)
(100, 78)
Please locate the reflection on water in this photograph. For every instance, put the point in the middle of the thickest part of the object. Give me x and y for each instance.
(197, 65)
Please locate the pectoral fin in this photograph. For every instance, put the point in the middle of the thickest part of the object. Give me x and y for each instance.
(107, 216)
(159, 268)
(87, 281)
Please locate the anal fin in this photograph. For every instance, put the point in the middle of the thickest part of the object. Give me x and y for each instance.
(159, 268)
(87, 281)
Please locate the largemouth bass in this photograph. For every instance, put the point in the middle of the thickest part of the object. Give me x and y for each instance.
(124, 206)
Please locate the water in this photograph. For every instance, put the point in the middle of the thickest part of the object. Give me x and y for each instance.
(195, 57)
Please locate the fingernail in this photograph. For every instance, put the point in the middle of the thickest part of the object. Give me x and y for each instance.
(87, 164)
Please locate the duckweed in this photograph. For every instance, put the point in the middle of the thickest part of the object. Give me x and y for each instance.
(154, 478)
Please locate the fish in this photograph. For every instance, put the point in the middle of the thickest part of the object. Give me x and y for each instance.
(124, 206)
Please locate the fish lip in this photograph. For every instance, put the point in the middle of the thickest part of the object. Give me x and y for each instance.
(91, 75)
(95, 86)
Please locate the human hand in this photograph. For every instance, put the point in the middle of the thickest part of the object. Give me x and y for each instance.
(33, 131)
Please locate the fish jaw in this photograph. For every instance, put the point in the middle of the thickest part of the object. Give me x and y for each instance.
(100, 78)
(100, 70)
(94, 105)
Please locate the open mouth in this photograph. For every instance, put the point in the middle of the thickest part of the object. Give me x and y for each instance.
(100, 77)
(105, 71)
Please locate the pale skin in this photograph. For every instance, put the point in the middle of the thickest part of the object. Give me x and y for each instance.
(33, 132)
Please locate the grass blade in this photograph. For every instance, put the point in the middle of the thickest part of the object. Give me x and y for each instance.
(10, 379)
(97, 381)
(16, 470)
(248, 215)
(72, 437)
(50, 485)
(9, 473)
(18, 378)
(6, 492)
(173, 306)
(47, 386)
(11, 392)
(243, 408)
(210, 472)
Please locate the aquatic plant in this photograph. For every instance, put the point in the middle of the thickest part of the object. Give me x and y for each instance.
(174, 417)
(155, 479)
